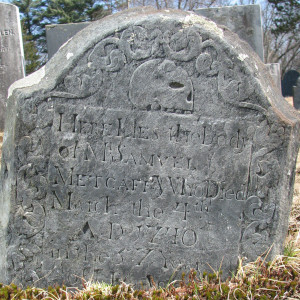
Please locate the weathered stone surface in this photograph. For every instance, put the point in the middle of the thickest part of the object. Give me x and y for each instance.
(288, 82)
(153, 142)
(11, 52)
(58, 34)
(245, 20)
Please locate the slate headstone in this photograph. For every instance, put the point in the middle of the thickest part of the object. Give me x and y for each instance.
(245, 20)
(150, 144)
(11, 52)
(58, 34)
(288, 82)
(296, 94)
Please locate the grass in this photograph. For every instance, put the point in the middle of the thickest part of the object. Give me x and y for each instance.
(279, 279)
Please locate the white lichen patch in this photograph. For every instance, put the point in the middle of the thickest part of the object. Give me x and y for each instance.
(69, 55)
(209, 25)
(242, 56)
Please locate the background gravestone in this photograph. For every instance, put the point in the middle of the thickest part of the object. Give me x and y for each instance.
(275, 73)
(58, 34)
(151, 143)
(11, 53)
(288, 82)
(296, 95)
(245, 20)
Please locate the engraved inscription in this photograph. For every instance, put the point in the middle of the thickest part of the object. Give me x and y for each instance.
(3, 49)
(6, 32)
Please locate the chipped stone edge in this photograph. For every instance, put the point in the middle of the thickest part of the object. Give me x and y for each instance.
(30, 80)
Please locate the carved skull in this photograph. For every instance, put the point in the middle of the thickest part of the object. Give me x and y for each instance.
(161, 85)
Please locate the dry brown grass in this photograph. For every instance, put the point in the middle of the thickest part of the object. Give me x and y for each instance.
(293, 238)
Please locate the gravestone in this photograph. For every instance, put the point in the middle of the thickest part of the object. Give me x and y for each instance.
(245, 20)
(275, 72)
(296, 95)
(11, 52)
(288, 82)
(58, 34)
(152, 143)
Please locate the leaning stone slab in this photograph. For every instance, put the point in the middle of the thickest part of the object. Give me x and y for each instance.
(152, 143)
(296, 95)
(245, 20)
(58, 34)
(11, 53)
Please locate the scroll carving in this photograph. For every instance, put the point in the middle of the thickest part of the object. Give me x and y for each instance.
(135, 43)
(107, 55)
(257, 233)
(169, 87)
(33, 218)
(83, 81)
(31, 184)
(184, 45)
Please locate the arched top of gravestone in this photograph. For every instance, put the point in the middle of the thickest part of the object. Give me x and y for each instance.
(139, 44)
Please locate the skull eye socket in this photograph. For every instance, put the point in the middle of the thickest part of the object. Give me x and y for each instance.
(176, 85)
